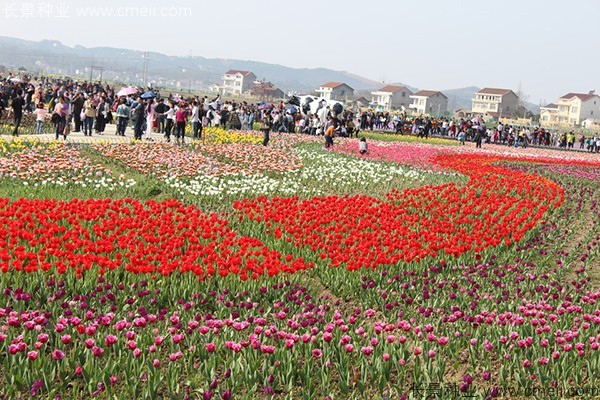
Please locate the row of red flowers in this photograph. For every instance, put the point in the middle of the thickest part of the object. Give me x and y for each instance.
(152, 237)
(496, 206)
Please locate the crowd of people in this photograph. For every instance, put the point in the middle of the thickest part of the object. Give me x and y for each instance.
(476, 130)
(89, 106)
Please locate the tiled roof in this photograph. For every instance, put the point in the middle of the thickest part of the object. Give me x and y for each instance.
(581, 96)
(332, 84)
(494, 91)
(237, 71)
(428, 93)
(390, 88)
(551, 105)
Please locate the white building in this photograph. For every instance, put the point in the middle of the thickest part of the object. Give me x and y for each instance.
(335, 91)
(495, 102)
(236, 82)
(429, 102)
(392, 97)
(571, 109)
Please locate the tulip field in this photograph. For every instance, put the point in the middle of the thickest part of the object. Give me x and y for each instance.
(224, 269)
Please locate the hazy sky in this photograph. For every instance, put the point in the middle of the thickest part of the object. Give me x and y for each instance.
(550, 47)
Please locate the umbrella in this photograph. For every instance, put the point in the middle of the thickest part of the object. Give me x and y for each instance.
(148, 95)
(126, 91)
(264, 106)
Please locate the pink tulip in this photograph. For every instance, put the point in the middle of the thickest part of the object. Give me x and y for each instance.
(210, 347)
(32, 355)
(66, 339)
(110, 340)
(97, 351)
(57, 355)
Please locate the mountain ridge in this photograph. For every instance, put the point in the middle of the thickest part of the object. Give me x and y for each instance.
(127, 66)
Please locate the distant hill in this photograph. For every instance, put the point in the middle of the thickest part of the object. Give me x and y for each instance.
(127, 66)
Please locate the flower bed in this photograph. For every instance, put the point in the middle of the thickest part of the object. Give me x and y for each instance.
(485, 288)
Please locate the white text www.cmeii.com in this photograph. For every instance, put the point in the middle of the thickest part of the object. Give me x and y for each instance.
(134, 12)
(63, 10)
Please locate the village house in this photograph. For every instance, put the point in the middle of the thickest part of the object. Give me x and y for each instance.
(571, 110)
(335, 91)
(495, 102)
(266, 91)
(429, 102)
(392, 97)
(236, 82)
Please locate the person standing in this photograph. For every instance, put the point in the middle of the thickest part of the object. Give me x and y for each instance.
(501, 132)
(581, 141)
(180, 119)
(159, 113)
(329, 135)
(78, 104)
(139, 118)
(90, 114)
(479, 134)
(122, 116)
(17, 105)
(224, 117)
(150, 117)
(196, 126)
(40, 116)
(60, 117)
(170, 120)
(101, 116)
(265, 127)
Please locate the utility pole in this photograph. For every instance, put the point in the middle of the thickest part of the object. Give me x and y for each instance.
(97, 68)
(146, 57)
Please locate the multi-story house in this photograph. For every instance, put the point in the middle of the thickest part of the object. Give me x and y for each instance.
(392, 97)
(335, 91)
(429, 102)
(495, 102)
(571, 109)
(236, 82)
